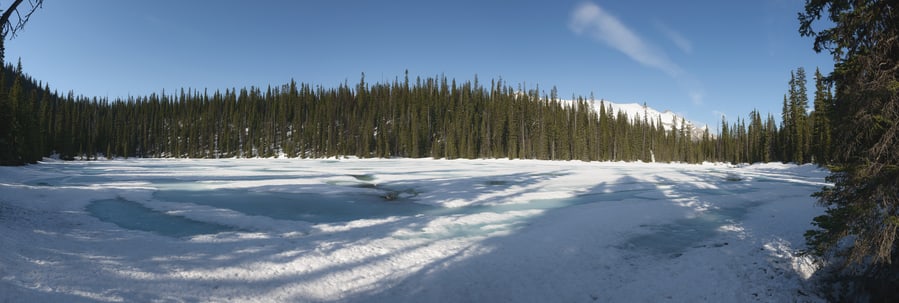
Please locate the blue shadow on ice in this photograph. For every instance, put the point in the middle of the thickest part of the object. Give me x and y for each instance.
(308, 207)
(133, 215)
(348, 206)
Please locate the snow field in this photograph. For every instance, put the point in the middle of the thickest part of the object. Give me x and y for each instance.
(407, 230)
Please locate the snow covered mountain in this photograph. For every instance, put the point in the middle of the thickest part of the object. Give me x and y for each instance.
(638, 111)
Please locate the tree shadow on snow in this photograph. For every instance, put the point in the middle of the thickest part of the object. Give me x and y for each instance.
(604, 248)
(144, 266)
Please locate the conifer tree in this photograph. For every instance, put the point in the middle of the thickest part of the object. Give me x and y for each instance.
(799, 116)
(8, 127)
(787, 127)
(821, 132)
(19, 111)
(862, 217)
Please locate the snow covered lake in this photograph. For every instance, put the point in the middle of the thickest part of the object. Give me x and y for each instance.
(404, 230)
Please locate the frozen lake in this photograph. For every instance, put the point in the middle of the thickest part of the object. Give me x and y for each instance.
(331, 197)
(404, 230)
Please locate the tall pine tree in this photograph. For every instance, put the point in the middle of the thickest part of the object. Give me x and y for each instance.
(862, 216)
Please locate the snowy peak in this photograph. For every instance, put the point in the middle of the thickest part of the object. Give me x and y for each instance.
(637, 112)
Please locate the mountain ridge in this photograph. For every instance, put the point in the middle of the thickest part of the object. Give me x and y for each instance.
(669, 119)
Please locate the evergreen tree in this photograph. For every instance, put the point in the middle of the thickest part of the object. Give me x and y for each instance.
(756, 138)
(799, 116)
(862, 216)
(19, 111)
(8, 126)
(787, 133)
(821, 132)
(771, 149)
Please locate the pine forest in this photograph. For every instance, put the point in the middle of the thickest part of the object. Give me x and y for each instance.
(431, 117)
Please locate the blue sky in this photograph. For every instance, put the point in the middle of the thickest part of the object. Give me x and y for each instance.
(698, 58)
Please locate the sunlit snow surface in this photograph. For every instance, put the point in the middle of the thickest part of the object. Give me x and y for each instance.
(413, 230)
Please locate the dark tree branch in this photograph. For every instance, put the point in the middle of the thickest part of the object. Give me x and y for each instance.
(9, 27)
(4, 19)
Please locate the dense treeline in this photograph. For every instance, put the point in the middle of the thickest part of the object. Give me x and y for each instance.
(22, 106)
(433, 117)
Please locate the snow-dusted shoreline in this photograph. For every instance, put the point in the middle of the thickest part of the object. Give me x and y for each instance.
(497, 230)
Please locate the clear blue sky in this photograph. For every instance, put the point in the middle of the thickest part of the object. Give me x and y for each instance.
(698, 58)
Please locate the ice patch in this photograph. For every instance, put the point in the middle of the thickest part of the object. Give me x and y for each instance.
(132, 215)
(313, 207)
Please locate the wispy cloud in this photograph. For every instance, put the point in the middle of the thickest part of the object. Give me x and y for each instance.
(593, 21)
(679, 40)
